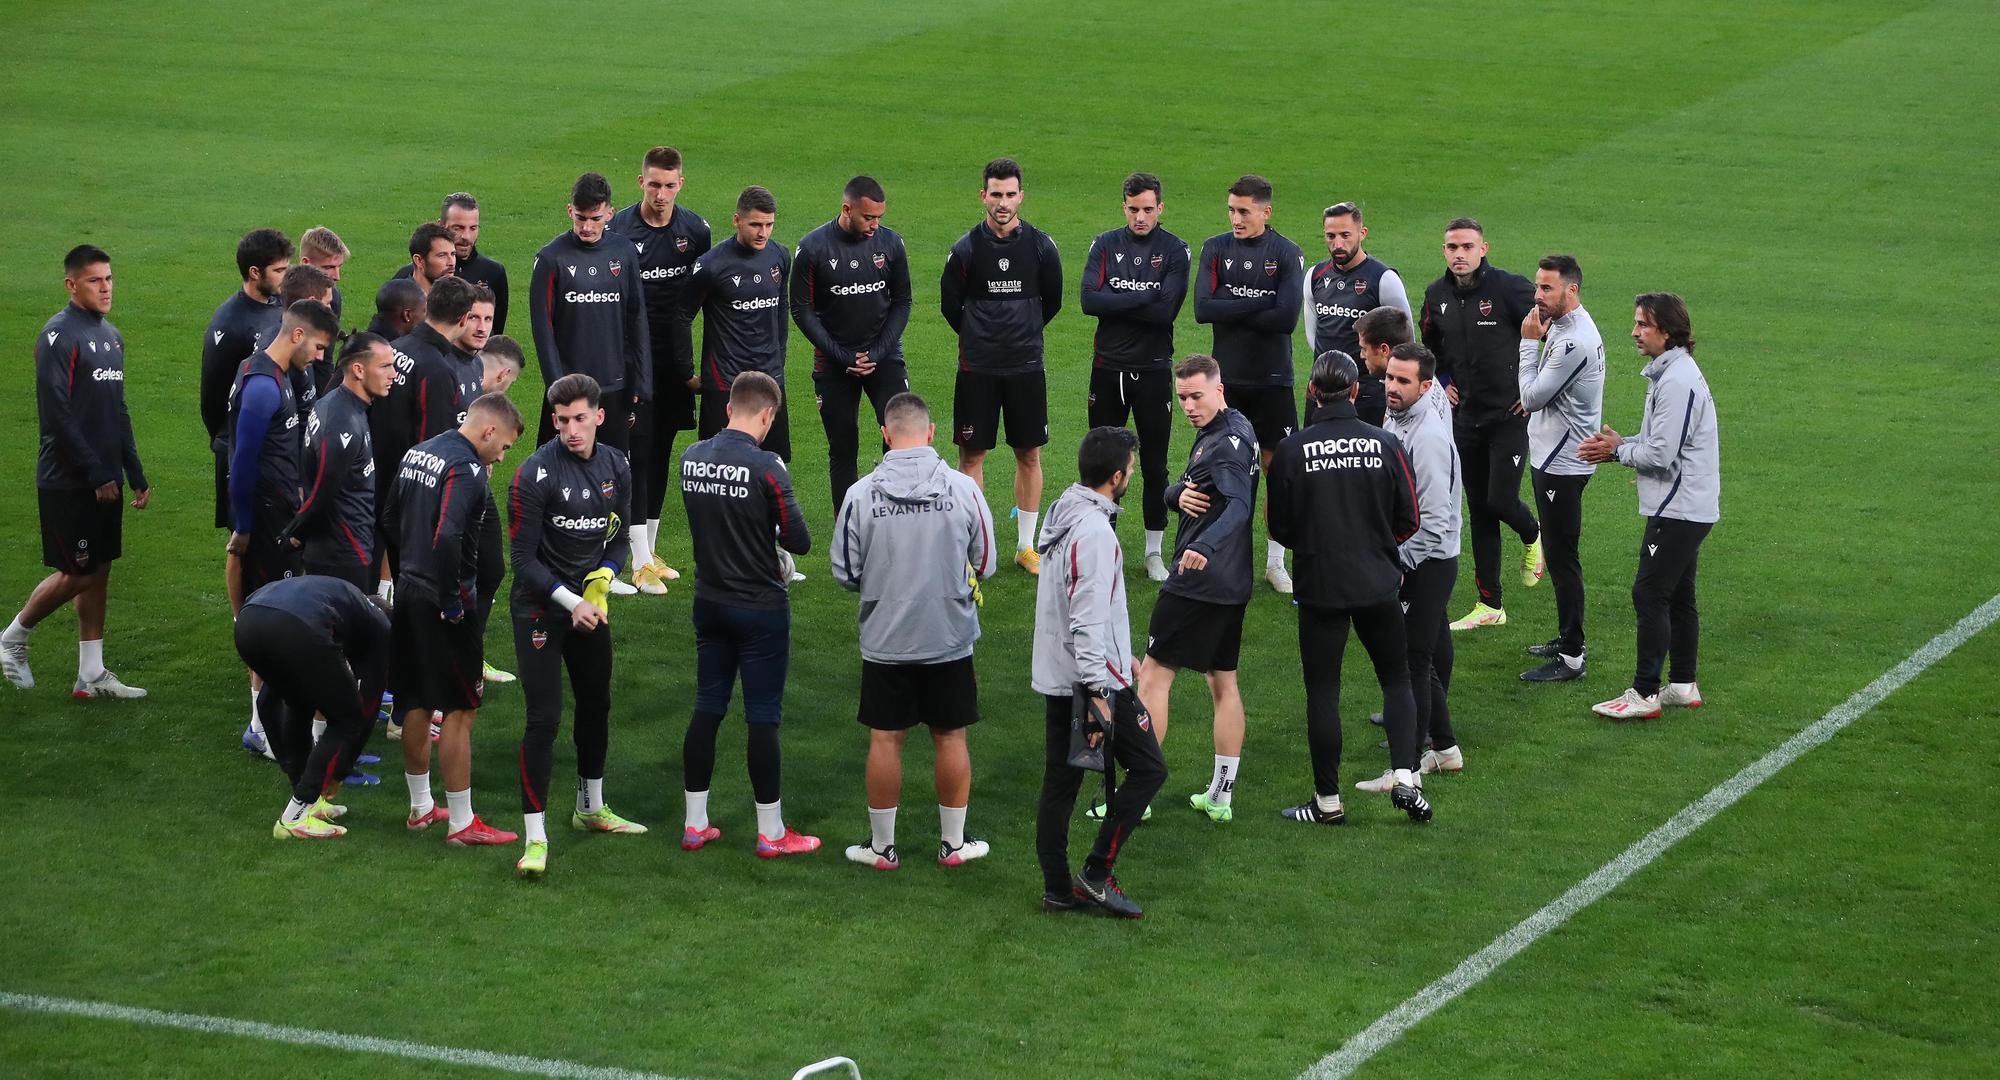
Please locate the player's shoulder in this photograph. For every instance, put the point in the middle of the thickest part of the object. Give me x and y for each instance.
(886, 237)
(623, 219)
(1169, 240)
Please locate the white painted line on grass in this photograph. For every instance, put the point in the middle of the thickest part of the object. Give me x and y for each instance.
(1466, 975)
(332, 1040)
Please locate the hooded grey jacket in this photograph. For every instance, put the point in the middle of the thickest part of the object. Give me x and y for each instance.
(1082, 631)
(911, 535)
(1562, 387)
(1425, 431)
(1677, 450)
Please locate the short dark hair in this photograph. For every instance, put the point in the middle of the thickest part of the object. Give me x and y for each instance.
(1384, 325)
(1344, 209)
(1565, 267)
(304, 282)
(1001, 168)
(1252, 186)
(1458, 223)
(359, 344)
(590, 191)
(261, 247)
(506, 350)
(314, 316)
(864, 187)
(1427, 361)
(1198, 364)
(1143, 181)
(756, 198)
(461, 199)
(661, 157)
(1670, 314)
(451, 297)
(426, 234)
(754, 391)
(483, 295)
(83, 255)
(397, 294)
(903, 407)
(498, 409)
(573, 387)
(1104, 450)
(1333, 372)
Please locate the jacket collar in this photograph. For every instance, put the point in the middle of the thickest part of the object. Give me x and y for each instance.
(1658, 365)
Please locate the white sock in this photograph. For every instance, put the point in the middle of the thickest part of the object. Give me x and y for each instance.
(1328, 804)
(256, 722)
(639, 548)
(1024, 528)
(1274, 553)
(459, 805)
(697, 809)
(535, 828)
(1408, 778)
(420, 793)
(319, 727)
(589, 795)
(652, 538)
(951, 825)
(89, 659)
(1223, 781)
(1574, 662)
(15, 634)
(771, 819)
(382, 588)
(882, 828)
(295, 811)
(1154, 538)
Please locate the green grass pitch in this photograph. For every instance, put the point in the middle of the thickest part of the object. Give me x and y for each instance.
(1816, 179)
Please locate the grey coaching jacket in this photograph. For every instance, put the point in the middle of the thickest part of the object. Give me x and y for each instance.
(1562, 386)
(1677, 451)
(1083, 633)
(910, 536)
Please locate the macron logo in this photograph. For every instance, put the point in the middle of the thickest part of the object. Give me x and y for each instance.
(218, 337)
(541, 474)
(1652, 549)
(52, 337)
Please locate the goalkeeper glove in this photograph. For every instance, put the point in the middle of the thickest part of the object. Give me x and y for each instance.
(972, 579)
(597, 588)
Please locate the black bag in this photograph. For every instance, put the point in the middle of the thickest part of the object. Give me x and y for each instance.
(1089, 714)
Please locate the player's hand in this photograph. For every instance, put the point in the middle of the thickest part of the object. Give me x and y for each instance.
(1451, 394)
(588, 617)
(1193, 502)
(1192, 560)
(107, 492)
(1600, 447)
(144, 496)
(295, 542)
(1533, 327)
(1517, 409)
(238, 545)
(694, 382)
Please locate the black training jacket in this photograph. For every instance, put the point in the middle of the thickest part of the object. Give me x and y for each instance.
(851, 294)
(1342, 498)
(1134, 286)
(740, 295)
(566, 516)
(589, 314)
(1222, 464)
(666, 254)
(441, 497)
(336, 522)
(740, 509)
(80, 398)
(1476, 334)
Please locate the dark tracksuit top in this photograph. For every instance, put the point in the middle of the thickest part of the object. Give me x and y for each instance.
(336, 521)
(441, 495)
(333, 612)
(479, 270)
(1250, 291)
(998, 294)
(851, 294)
(1134, 286)
(740, 296)
(1343, 497)
(589, 313)
(740, 509)
(1222, 464)
(264, 470)
(448, 391)
(239, 327)
(1476, 334)
(1336, 299)
(666, 256)
(80, 399)
(565, 517)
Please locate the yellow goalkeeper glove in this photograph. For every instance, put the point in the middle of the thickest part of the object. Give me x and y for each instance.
(972, 579)
(597, 588)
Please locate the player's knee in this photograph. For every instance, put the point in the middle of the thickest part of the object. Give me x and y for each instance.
(1029, 457)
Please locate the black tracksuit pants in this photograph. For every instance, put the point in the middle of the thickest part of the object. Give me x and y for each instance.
(305, 674)
(1322, 644)
(1559, 500)
(1494, 457)
(1426, 627)
(839, 397)
(1135, 749)
(1147, 397)
(544, 646)
(1663, 596)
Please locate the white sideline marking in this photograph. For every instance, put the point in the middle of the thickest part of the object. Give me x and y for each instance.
(1466, 975)
(334, 1040)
